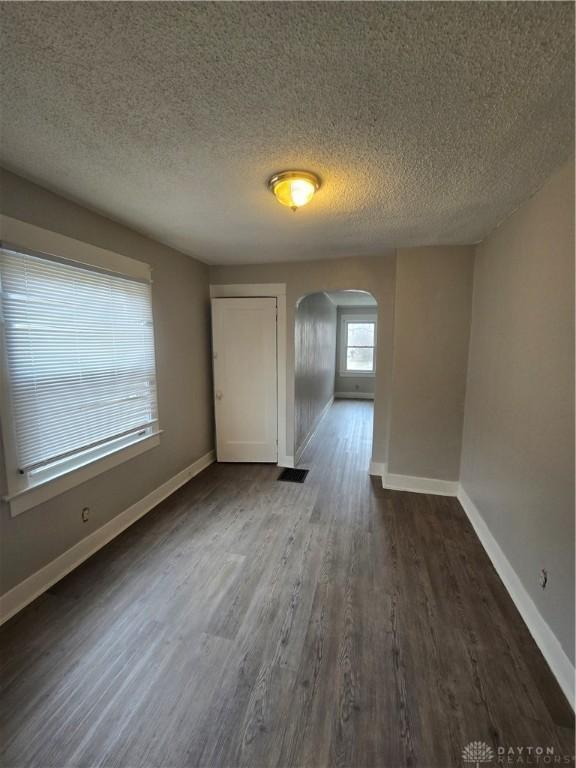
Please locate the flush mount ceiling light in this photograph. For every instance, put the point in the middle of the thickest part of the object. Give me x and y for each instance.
(294, 188)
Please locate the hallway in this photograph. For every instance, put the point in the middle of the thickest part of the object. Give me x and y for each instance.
(250, 622)
(338, 458)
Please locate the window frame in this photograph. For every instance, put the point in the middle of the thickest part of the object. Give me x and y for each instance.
(21, 493)
(345, 320)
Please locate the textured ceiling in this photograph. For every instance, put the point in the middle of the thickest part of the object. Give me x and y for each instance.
(351, 298)
(428, 122)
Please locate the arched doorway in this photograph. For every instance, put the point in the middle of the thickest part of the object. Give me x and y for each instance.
(335, 345)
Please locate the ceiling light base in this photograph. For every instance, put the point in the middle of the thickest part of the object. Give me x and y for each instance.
(294, 188)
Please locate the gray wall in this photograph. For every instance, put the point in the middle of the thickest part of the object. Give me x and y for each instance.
(518, 450)
(314, 356)
(359, 384)
(181, 315)
(374, 274)
(432, 327)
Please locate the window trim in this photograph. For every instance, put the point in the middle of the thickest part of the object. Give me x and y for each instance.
(345, 319)
(18, 235)
(33, 495)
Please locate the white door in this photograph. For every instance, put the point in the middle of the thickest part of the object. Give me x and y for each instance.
(245, 389)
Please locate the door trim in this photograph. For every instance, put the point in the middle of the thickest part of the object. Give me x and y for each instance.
(274, 291)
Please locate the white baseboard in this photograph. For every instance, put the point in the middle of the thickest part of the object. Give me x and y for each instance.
(312, 432)
(420, 484)
(286, 461)
(378, 469)
(29, 589)
(546, 640)
(355, 395)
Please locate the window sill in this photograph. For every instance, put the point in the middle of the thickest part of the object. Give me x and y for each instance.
(357, 374)
(47, 489)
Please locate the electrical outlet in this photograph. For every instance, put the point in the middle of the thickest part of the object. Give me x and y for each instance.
(85, 514)
(543, 578)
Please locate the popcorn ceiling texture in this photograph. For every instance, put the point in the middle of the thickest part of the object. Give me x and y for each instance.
(428, 122)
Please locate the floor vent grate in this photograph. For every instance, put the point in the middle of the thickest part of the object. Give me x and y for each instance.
(293, 475)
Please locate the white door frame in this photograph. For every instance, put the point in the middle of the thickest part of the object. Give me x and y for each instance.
(277, 291)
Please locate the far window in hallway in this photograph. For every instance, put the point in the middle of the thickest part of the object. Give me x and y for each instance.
(359, 334)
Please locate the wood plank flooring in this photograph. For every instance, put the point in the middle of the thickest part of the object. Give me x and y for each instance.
(249, 622)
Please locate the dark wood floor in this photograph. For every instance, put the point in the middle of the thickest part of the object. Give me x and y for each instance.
(249, 622)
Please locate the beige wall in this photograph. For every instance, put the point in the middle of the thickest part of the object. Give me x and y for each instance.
(432, 326)
(314, 358)
(374, 274)
(518, 450)
(181, 315)
(359, 384)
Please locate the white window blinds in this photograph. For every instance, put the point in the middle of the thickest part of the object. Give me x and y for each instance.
(80, 355)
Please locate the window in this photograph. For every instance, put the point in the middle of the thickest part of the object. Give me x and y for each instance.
(358, 343)
(79, 357)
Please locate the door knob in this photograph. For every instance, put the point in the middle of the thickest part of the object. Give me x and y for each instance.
(218, 395)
